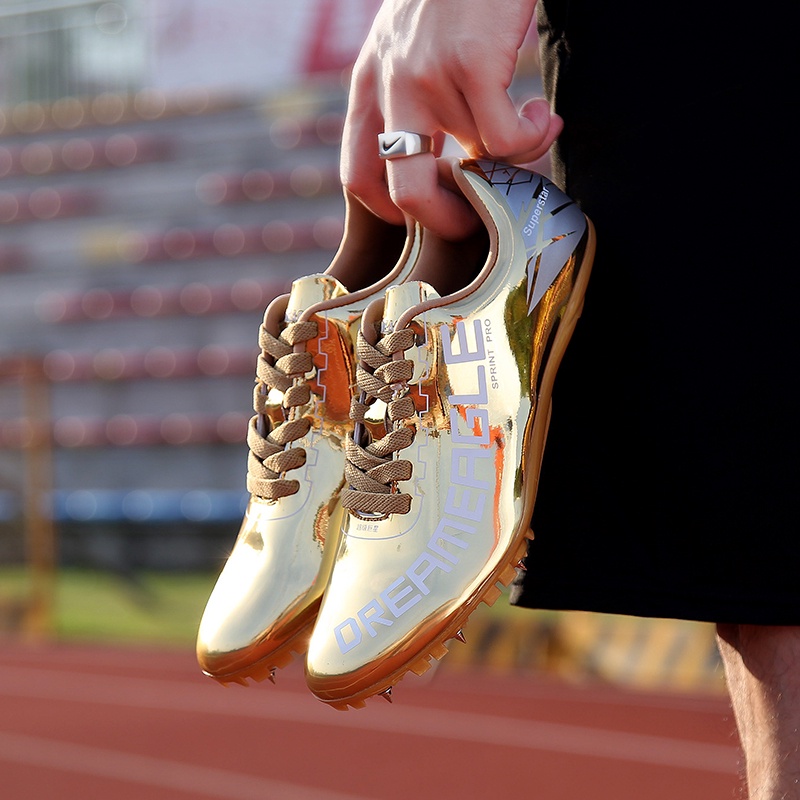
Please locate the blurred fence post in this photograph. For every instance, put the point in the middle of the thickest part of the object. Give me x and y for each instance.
(35, 444)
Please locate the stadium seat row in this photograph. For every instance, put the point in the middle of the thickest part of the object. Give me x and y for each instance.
(82, 153)
(258, 185)
(109, 108)
(12, 257)
(127, 430)
(113, 364)
(46, 203)
(150, 301)
(229, 239)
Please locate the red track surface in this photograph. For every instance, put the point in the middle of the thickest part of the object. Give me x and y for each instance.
(97, 723)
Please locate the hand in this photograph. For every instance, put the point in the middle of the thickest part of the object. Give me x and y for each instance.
(436, 67)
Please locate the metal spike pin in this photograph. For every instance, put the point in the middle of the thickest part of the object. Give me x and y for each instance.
(386, 694)
(460, 636)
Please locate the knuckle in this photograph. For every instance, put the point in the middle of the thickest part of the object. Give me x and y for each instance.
(400, 195)
(501, 144)
(361, 185)
(351, 180)
(461, 64)
(406, 199)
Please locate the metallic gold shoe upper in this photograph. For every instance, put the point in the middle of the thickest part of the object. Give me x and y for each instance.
(267, 595)
(451, 419)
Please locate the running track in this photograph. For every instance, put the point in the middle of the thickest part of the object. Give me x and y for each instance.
(103, 724)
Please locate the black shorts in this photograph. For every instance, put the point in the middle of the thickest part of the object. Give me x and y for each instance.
(669, 486)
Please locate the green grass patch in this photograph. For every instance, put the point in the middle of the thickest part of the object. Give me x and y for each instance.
(95, 606)
(151, 607)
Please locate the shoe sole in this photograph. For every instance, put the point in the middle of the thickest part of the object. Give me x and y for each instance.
(263, 670)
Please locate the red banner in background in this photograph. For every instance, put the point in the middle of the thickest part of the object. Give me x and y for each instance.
(337, 30)
(241, 45)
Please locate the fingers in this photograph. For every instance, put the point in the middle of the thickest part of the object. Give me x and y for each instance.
(554, 125)
(509, 134)
(424, 69)
(415, 188)
(360, 169)
(411, 186)
(402, 186)
(498, 131)
(413, 182)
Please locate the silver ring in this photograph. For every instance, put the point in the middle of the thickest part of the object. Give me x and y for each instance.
(401, 144)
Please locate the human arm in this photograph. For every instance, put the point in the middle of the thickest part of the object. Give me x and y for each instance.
(435, 67)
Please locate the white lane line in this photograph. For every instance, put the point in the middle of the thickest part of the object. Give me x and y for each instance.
(201, 781)
(261, 703)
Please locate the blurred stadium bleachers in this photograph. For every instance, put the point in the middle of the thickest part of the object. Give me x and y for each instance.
(143, 231)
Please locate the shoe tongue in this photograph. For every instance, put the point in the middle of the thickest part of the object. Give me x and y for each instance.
(400, 298)
(310, 290)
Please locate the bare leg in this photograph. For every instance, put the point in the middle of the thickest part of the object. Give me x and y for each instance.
(762, 668)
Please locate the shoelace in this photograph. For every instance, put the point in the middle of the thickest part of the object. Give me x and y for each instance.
(372, 472)
(270, 455)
